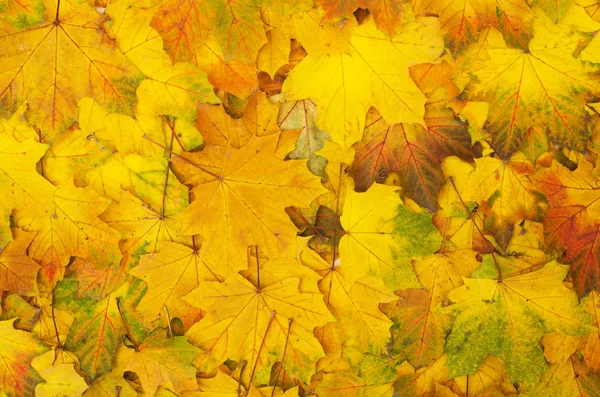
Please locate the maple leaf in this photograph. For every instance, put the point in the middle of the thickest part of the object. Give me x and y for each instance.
(258, 324)
(513, 313)
(380, 236)
(223, 385)
(591, 7)
(276, 52)
(18, 348)
(17, 170)
(418, 332)
(387, 14)
(73, 157)
(374, 73)
(410, 150)
(106, 384)
(172, 272)
(543, 86)
(181, 26)
(96, 334)
(491, 379)
(129, 27)
(375, 378)
(59, 378)
(294, 115)
(233, 76)
(462, 21)
(279, 198)
(217, 127)
(18, 271)
(238, 28)
(23, 13)
(96, 282)
(589, 343)
(502, 191)
(354, 305)
(83, 61)
(348, 384)
(572, 220)
(174, 91)
(251, 183)
(569, 379)
(72, 227)
(161, 361)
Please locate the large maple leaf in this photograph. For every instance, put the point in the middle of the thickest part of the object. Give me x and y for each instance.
(161, 361)
(268, 198)
(374, 72)
(382, 236)
(542, 86)
(462, 21)
(412, 151)
(572, 220)
(507, 318)
(54, 64)
(239, 200)
(259, 322)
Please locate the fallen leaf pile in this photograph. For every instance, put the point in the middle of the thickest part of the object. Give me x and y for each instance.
(335, 198)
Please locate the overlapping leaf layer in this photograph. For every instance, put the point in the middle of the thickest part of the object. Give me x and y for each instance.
(299, 198)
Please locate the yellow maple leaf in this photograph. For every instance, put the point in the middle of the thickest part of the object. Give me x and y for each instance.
(240, 201)
(18, 348)
(382, 236)
(80, 65)
(356, 306)
(374, 72)
(543, 86)
(59, 378)
(161, 361)
(258, 323)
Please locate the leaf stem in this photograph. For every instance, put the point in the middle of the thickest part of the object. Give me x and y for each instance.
(242, 368)
(262, 344)
(287, 338)
(169, 329)
(57, 12)
(257, 267)
(218, 177)
(58, 342)
(167, 168)
(135, 344)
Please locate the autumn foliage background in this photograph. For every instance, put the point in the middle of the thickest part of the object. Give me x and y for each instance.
(287, 198)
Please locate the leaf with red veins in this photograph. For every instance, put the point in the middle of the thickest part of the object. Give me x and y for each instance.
(18, 272)
(233, 76)
(55, 64)
(97, 333)
(543, 86)
(462, 21)
(183, 26)
(410, 150)
(238, 28)
(573, 218)
(94, 282)
(418, 333)
(583, 251)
